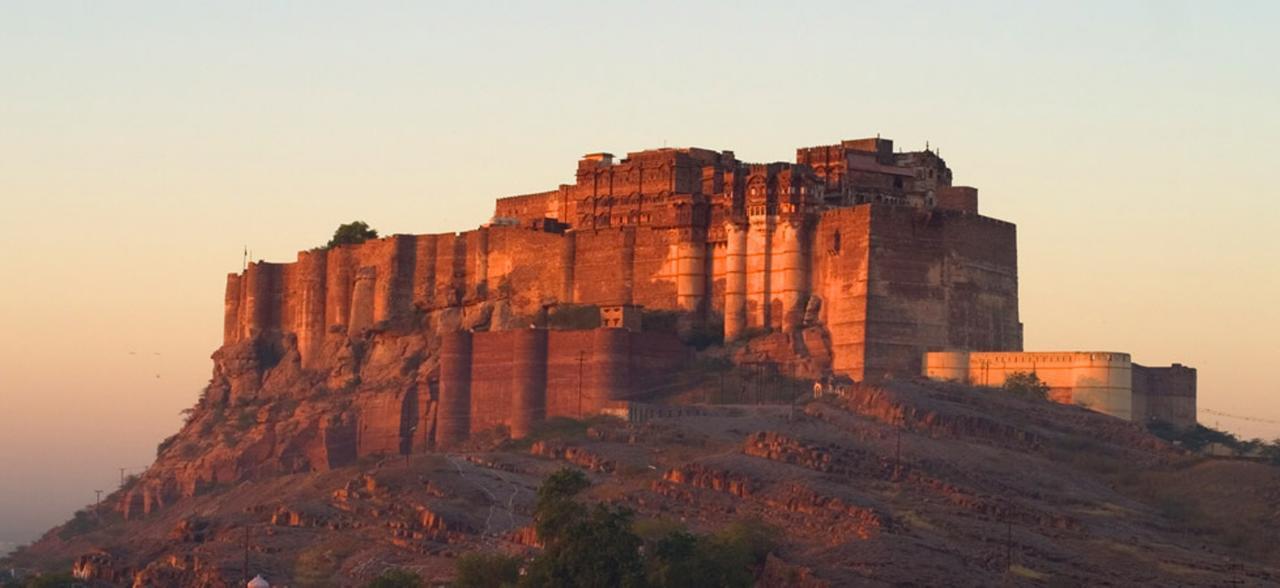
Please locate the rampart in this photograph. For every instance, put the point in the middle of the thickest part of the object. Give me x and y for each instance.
(887, 282)
(1098, 380)
(895, 283)
(1165, 394)
(518, 378)
(1104, 381)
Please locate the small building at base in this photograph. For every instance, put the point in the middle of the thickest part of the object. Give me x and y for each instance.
(1104, 381)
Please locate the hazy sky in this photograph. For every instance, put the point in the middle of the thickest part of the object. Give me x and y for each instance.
(142, 145)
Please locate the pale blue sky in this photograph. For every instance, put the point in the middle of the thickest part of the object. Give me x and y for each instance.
(142, 144)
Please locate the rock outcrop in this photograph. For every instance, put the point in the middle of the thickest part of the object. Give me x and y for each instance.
(263, 414)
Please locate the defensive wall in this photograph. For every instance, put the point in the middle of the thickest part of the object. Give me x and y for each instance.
(894, 283)
(887, 282)
(1165, 394)
(1107, 382)
(519, 378)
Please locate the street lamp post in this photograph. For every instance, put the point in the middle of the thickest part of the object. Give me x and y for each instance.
(582, 357)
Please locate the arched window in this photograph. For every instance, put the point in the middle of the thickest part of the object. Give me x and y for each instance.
(835, 242)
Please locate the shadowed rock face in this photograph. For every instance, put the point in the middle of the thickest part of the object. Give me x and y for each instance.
(264, 414)
(904, 482)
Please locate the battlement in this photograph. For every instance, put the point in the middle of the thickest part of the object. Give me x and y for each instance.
(678, 155)
(822, 157)
(961, 198)
(600, 159)
(692, 186)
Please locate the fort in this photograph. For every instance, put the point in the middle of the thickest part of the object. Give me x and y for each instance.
(855, 260)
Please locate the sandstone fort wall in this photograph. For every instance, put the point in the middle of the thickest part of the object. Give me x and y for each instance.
(846, 236)
(521, 377)
(1165, 394)
(841, 272)
(890, 282)
(1101, 381)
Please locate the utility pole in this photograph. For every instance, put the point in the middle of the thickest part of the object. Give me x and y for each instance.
(121, 477)
(897, 453)
(1236, 570)
(582, 357)
(1008, 541)
(97, 504)
(246, 555)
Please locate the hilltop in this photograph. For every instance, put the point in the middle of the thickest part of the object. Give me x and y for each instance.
(906, 482)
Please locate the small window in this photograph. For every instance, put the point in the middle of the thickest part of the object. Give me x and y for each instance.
(835, 242)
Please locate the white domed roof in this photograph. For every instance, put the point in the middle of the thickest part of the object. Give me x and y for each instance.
(258, 582)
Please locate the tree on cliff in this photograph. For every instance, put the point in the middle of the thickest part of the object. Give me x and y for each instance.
(584, 546)
(352, 233)
(1026, 385)
(599, 546)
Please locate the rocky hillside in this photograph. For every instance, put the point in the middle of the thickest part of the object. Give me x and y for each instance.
(263, 414)
(909, 483)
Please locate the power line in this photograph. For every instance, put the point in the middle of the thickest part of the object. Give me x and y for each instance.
(1237, 416)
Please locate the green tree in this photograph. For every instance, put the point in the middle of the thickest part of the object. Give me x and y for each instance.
(730, 557)
(1198, 437)
(352, 233)
(598, 550)
(397, 578)
(81, 522)
(557, 508)
(487, 570)
(1026, 385)
(1271, 451)
(739, 550)
(676, 560)
(603, 546)
(582, 547)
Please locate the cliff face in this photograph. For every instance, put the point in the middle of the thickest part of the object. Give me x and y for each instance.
(307, 381)
(439, 283)
(265, 414)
